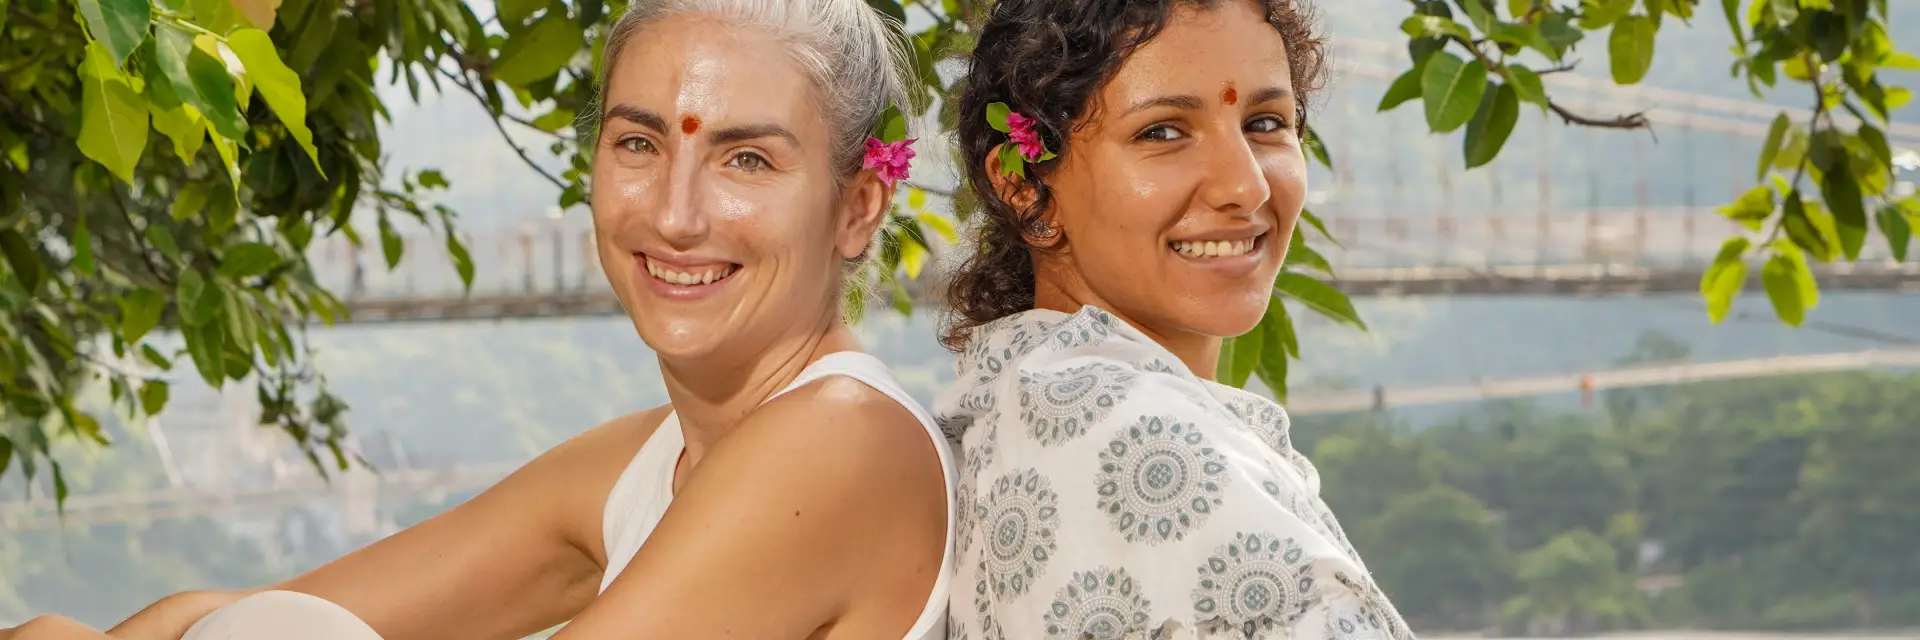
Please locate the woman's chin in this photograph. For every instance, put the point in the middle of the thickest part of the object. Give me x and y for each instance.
(1228, 318)
(680, 340)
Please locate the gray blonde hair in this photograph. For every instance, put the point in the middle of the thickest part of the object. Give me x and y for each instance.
(854, 56)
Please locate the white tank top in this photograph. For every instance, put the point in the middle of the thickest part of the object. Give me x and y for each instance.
(641, 495)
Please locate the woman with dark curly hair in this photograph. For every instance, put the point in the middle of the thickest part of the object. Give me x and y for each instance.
(1141, 170)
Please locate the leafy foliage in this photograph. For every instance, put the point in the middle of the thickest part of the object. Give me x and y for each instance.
(117, 240)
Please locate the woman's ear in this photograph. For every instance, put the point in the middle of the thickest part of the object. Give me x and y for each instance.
(868, 200)
(1012, 189)
(1020, 193)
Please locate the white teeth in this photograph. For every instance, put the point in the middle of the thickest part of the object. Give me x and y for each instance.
(687, 279)
(1215, 249)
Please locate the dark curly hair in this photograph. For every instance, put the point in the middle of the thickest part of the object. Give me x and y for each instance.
(1048, 59)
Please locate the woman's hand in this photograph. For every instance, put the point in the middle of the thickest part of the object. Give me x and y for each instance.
(52, 628)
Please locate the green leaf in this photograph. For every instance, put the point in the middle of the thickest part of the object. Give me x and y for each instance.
(1901, 60)
(139, 313)
(896, 127)
(889, 8)
(217, 16)
(555, 120)
(997, 117)
(22, 258)
(1434, 27)
(1301, 255)
(1492, 124)
(1320, 226)
(207, 345)
(1898, 97)
(1898, 229)
(1801, 228)
(940, 225)
(462, 261)
(199, 80)
(1771, 150)
(514, 13)
(119, 24)
(1560, 32)
(199, 302)
(1280, 343)
(1790, 284)
(1320, 297)
(249, 259)
(1876, 141)
(1406, 87)
(913, 256)
(1527, 86)
(1752, 209)
(230, 158)
(153, 356)
(1732, 9)
(82, 248)
(1452, 89)
(1724, 280)
(1519, 8)
(278, 84)
(1842, 195)
(183, 125)
(153, 397)
(59, 489)
(916, 198)
(162, 238)
(1010, 160)
(1238, 357)
(433, 179)
(1630, 49)
(1597, 14)
(113, 124)
(191, 200)
(540, 52)
(391, 245)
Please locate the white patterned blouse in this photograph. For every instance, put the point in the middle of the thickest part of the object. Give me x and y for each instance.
(1106, 492)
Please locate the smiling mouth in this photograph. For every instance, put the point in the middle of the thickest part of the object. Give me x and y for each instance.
(691, 277)
(1217, 248)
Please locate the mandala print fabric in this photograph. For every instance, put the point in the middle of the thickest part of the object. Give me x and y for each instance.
(1107, 493)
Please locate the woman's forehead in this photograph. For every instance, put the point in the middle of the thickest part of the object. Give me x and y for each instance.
(714, 72)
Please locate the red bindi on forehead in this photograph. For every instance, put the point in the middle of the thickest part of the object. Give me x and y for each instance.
(690, 125)
(1231, 96)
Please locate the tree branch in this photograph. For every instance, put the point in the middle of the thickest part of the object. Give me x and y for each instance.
(1635, 120)
(466, 84)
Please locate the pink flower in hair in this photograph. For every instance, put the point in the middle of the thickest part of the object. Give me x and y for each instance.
(1026, 135)
(890, 160)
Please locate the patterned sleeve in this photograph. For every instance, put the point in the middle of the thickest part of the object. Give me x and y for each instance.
(1106, 497)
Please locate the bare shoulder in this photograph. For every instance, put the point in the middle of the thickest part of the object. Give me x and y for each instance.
(826, 506)
(841, 424)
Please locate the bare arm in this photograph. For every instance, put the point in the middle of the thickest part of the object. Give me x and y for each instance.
(52, 628)
(826, 508)
(520, 557)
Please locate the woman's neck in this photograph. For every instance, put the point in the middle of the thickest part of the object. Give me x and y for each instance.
(712, 395)
(1201, 353)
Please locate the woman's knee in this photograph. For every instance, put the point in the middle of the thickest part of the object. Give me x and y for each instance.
(282, 615)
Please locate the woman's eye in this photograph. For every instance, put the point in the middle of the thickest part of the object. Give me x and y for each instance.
(748, 162)
(1162, 133)
(637, 145)
(1267, 124)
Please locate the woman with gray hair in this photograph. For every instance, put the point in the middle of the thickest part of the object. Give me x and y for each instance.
(791, 489)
